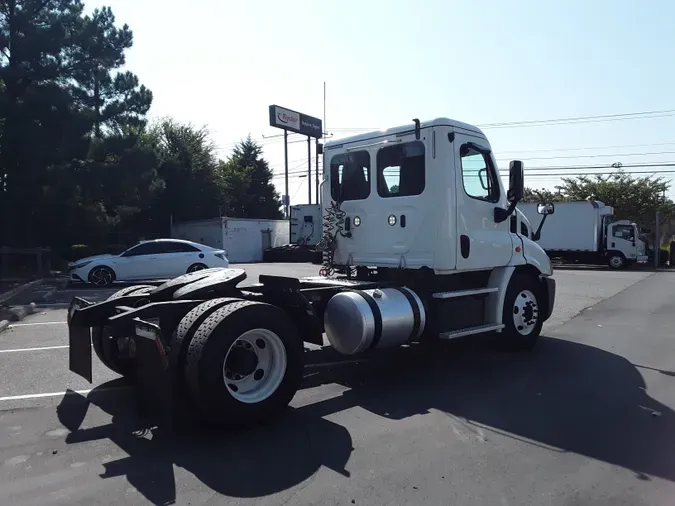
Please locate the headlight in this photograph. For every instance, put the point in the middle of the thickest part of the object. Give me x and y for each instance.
(79, 265)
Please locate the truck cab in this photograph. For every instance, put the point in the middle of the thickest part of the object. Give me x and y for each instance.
(623, 237)
(423, 205)
(426, 198)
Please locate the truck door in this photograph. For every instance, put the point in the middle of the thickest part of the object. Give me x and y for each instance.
(621, 237)
(482, 242)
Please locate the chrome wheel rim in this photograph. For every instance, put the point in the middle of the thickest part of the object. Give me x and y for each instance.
(254, 366)
(101, 277)
(196, 268)
(525, 312)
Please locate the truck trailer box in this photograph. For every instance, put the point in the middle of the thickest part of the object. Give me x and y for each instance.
(575, 226)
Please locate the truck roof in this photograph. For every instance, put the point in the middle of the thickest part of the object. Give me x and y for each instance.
(405, 128)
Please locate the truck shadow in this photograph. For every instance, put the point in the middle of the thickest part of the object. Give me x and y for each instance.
(565, 396)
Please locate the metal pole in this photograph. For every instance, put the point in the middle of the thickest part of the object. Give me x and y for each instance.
(309, 170)
(316, 166)
(657, 242)
(286, 206)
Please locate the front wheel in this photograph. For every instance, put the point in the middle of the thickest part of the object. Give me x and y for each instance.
(101, 276)
(522, 314)
(616, 261)
(244, 364)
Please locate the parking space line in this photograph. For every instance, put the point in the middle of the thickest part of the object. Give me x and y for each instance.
(57, 394)
(35, 323)
(35, 349)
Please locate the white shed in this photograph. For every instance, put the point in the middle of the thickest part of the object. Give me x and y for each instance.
(243, 239)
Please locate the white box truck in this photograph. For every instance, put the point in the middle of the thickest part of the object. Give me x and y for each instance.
(588, 232)
(306, 224)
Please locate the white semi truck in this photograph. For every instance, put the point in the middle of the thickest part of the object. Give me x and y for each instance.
(417, 219)
(587, 232)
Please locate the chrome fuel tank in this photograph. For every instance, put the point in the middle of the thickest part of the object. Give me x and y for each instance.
(359, 320)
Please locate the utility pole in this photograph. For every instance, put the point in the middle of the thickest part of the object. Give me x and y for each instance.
(657, 241)
(309, 169)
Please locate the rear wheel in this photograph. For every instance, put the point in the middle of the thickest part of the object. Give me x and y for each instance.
(522, 314)
(180, 341)
(104, 345)
(244, 364)
(196, 267)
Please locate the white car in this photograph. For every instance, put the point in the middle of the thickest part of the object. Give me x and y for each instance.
(148, 260)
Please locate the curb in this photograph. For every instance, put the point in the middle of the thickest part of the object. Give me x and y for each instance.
(17, 314)
(19, 289)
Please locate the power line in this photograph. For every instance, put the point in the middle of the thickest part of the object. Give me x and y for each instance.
(589, 148)
(595, 155)
(555, 121)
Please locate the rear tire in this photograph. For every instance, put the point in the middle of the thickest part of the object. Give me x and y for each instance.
(521, 314)
(99, 334)
(244, 364)
(196, 267)
(185, 331)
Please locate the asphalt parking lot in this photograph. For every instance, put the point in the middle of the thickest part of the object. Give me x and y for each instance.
(587, 418)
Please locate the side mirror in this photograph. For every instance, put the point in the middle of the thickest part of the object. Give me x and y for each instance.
(546, 208)
(516, 190)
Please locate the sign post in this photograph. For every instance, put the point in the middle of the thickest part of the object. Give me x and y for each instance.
(296, 122)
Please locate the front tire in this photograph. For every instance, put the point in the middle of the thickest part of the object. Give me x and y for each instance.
(244, 364)
(616, 261)
(101, 276)
(522, 314)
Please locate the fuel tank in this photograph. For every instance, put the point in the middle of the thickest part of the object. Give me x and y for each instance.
(359, 320)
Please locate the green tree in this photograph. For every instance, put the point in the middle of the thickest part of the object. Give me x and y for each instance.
(248, 180)
(542, 195)
(188, 166)
(633, 198)
(115, 101)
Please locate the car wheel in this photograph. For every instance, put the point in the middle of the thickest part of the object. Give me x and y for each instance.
(101, 276)
(196, 267)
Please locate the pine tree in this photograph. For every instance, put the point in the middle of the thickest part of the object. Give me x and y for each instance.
(247, 168)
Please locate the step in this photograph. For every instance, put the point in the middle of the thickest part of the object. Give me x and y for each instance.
(488, 327)
(464, 293)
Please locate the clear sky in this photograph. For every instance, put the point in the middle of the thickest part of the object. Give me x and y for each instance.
(221, 63)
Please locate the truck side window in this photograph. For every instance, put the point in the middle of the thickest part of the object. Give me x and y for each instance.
(350, 176)
(624, 232)
(400, 170)
(523, 230)
(478, 174)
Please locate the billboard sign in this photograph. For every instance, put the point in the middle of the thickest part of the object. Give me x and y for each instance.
(297, 122)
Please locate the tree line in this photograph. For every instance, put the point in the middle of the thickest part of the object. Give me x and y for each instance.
(79, 161)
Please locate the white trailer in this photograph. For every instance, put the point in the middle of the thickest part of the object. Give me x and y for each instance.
(419, 221)
(588, 232)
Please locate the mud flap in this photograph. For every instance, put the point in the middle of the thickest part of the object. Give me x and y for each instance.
(79, 340)
(154, 385)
